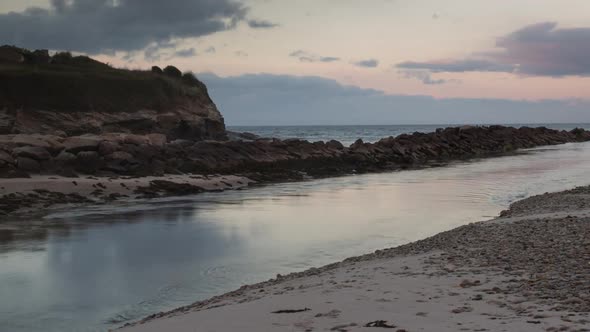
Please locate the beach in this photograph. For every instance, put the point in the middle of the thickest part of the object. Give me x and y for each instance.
(526, 270)
(27, 196)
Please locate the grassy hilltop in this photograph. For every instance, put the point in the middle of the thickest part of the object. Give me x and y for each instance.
(79, 83)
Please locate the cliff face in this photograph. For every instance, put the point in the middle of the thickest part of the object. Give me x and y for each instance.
(67, 95)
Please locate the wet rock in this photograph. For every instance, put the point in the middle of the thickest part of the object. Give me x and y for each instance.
(163, 187)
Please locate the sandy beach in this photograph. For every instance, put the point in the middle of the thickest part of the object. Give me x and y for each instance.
(527, 270)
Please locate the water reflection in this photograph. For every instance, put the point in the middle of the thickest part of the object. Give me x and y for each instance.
(90, 268)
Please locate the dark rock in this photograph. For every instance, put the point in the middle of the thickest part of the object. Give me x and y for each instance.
(6, 158)
(136, 139)
(28, 164)
(88, 162)
(245, 136)
(108, 147)
(65, 158)
(333, 144)
(6, 121)
(157, 70)
(158, 140)
(158, 187)
(81, 143)
(182, 142)
(13, 173)
(33, 152)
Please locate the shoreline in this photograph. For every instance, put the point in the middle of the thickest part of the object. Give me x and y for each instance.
(525, 270)
(25, 196)
(150, 167)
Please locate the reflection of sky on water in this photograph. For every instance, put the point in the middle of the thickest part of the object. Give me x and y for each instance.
(83, 268)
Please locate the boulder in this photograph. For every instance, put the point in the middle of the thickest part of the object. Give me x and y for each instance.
(6, 158)
(65, 158)
(136, 139)
(120, 162)
(333, 144)
(158, 140)
(28, 164)
(82, 143)
(29, 140)
(108, 147)
(50, 142)
(120, 155)
(33, 152)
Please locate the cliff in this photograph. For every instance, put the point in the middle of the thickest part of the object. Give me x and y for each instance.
(67, 95)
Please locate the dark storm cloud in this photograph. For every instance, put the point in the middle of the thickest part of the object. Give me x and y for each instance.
(304, 56)
(538, 50)
(102, 26)
(370, 63)
(261, 24)
(265, 99)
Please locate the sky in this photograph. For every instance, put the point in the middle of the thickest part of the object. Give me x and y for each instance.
(456, 60)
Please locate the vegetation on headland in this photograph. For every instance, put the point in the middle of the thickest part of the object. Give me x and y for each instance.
(67, 83)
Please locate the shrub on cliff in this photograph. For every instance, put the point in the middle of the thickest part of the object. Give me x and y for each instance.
(81, 61)
(172, 72)
(190, 79)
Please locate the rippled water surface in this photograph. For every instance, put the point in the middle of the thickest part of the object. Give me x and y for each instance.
(94, 268)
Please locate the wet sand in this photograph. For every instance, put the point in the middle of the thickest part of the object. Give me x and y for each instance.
(527, 270)
(27, 195)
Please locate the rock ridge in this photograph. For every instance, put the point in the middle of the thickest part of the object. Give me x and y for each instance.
(115, 154)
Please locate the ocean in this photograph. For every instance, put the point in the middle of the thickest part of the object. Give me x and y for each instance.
(368, 133)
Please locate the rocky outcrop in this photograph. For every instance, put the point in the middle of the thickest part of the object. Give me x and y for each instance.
(69, 95)
(261, 159)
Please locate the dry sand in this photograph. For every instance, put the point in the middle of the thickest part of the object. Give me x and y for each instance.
(528, 270)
